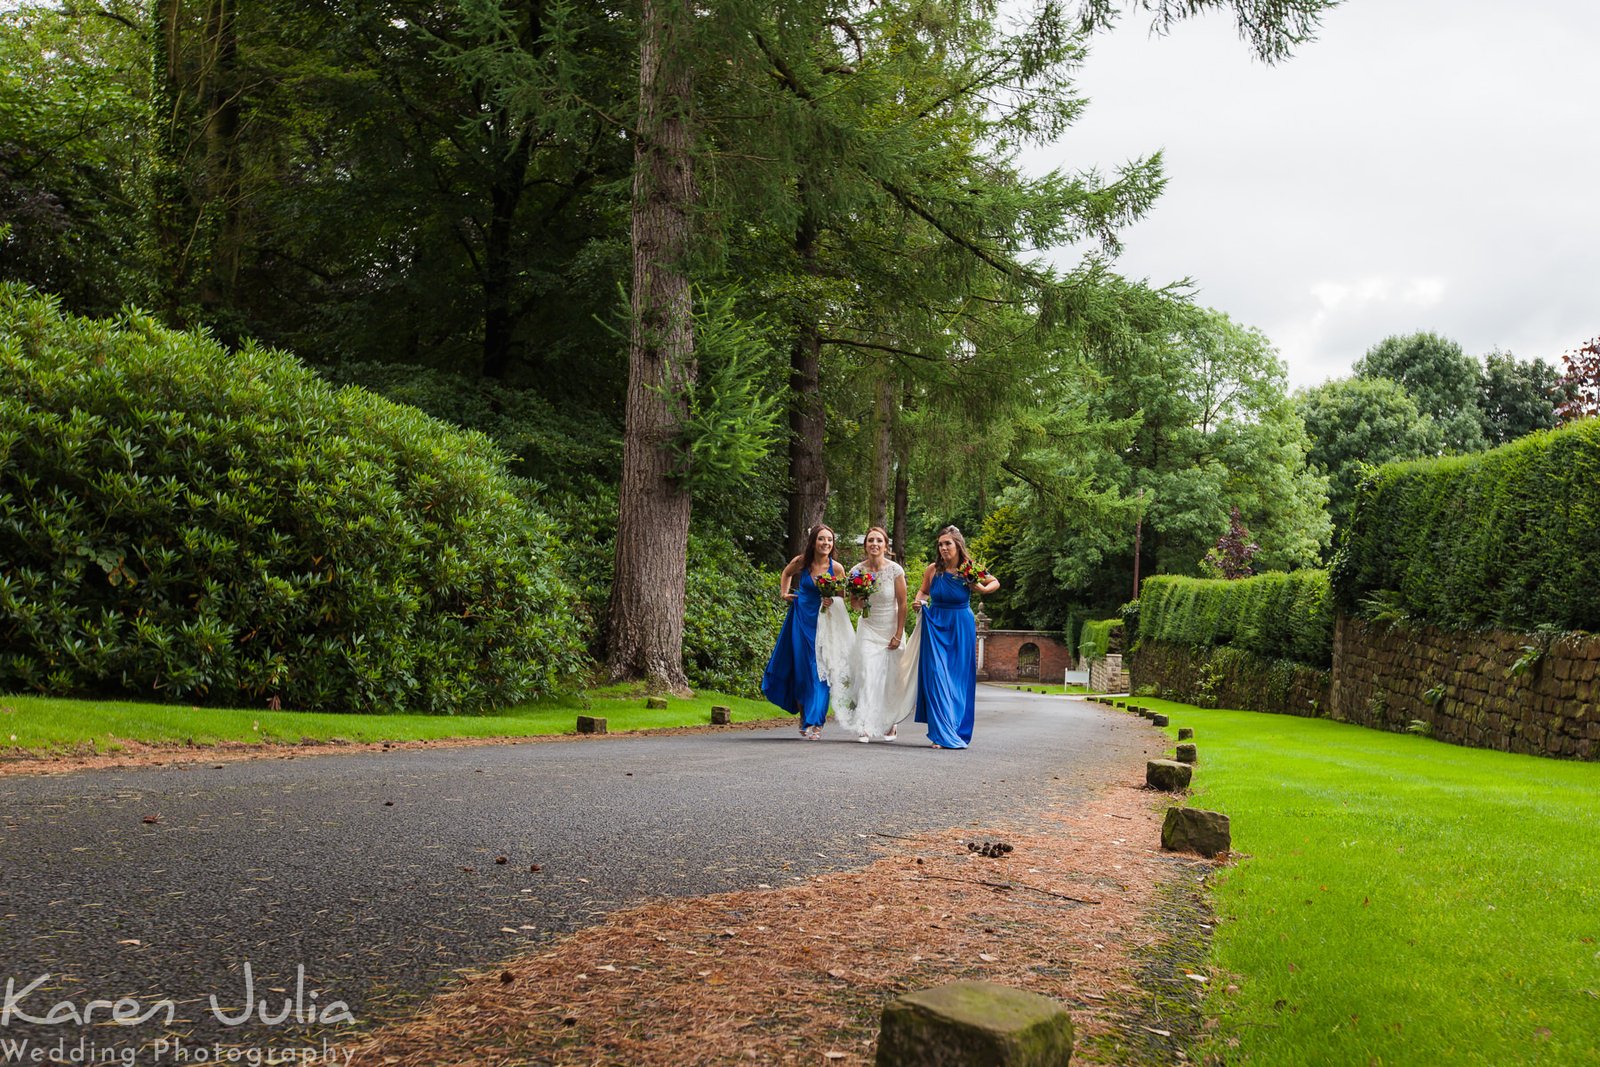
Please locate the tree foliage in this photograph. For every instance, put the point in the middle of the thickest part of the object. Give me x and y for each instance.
(1355, 423)
(1442, 379)
(1580, 382)
(441, 200)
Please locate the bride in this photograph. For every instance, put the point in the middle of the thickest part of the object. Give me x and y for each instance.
(880, 689)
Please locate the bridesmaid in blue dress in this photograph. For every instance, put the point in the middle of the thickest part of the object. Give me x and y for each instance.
(790, 680)
(947, 676)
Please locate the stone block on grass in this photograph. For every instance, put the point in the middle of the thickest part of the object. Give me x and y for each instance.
(966, 1023)
(1167, 775)
(1185, 732)
(721, 715)
(591, 724)
(1187, 753)
(1195, 830)
(1158, 718)
(656, 703)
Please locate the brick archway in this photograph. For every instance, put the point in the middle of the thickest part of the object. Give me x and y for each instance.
(1001, 656)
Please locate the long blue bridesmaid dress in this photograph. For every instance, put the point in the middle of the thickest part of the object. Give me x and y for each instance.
(947, 676)
(790, 680)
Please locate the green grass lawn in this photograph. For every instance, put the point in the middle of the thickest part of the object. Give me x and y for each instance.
(1037, 687)
(54, 724)
(1402, 901)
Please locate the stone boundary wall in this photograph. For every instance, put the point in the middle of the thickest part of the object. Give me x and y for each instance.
(1000, 649)
(1513, 692)
(1224, 677)
(1527, 693)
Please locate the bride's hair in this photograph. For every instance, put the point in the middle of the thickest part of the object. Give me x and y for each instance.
(886, 553)
(954, 533)
(811, 545)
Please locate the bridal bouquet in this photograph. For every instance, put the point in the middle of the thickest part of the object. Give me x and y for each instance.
(830, 584)
(973, 573)
(863, 584)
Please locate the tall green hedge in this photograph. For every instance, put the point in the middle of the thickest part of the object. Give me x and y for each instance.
(185, 522)
(1275, 616)
(1096, 639)
(1507, 539)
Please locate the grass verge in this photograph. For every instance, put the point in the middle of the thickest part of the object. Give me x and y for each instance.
(55, 724)
(1398, 900)
(1053, 690)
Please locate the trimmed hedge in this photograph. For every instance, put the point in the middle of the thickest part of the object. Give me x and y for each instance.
(1096, 639)
(223, 527)
(1274, 616)
(1508, 539)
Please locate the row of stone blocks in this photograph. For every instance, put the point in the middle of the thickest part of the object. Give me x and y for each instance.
(1184, 829)
(968, 1023)
(721, 715)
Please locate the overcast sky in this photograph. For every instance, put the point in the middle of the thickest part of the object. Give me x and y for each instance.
(1424, 164)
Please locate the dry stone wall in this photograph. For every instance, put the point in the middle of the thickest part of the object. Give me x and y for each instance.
(1224, 677)
(1528, 693)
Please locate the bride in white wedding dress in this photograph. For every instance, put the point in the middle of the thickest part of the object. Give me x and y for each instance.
(880, 687)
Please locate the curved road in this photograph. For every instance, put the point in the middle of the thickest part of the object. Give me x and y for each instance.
(376, 872)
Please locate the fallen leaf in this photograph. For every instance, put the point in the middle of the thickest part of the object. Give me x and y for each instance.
(151, 819)
(501, 859)
(1196, 977)
(131, 941)
(986, 958)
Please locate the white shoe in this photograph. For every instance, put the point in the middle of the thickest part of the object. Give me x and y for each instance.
(864, 739)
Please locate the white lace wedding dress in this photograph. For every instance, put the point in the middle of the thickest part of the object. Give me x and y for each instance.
(879, 687)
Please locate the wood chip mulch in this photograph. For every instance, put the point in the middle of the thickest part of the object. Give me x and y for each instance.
(799, 974)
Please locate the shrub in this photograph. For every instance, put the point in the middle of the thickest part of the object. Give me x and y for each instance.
(224, 527)
(1275, 616)
(1507, 539)
(1096, 639)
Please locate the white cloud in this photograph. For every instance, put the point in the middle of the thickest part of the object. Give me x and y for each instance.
(1426, 164)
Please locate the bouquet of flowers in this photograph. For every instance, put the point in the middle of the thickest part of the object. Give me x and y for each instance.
(830, 584)
(862, 585)
(973, 574)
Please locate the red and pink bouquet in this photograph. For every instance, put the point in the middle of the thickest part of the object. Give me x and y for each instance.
(830, 584)
(973, 573)
(862, 585)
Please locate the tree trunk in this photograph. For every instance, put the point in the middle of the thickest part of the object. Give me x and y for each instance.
(902, 484)
(221, 239)
(505, 194)
(882, 453)
(513, 150)
(166, 208)
(808, 475)
(902, 497)
(646, 610)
